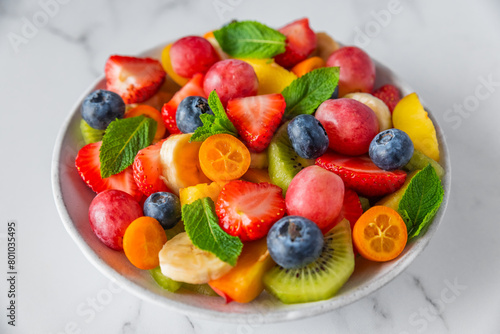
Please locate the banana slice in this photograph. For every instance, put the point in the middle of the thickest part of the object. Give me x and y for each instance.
(377, 105)
(325, 46)
(182, 261)
(180, 163)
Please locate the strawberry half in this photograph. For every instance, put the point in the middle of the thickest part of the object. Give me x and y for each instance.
(361, 174)
(88, 165)
(248, 210)
(351, 209)
(301, 41)
(389, 94)
(256, 118)
(134, 79)
(148, 171)
(194, 87)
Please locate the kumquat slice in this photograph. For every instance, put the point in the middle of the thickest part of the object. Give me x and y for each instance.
(224, 158)
(143, 240)
(380, 234)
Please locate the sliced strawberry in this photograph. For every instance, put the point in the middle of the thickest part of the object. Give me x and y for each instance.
(248, 210)
(301, 41)
(148, 171)
(256, 118)
(88, 165)
(351, 209)
(389, 94)
(194, 87)
(134, 79)
(360, 174)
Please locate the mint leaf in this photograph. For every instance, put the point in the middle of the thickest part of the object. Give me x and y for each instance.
(202, 226)
(305, 94)
(250, 39)
(121, 142)
(216, 123)
(421, 201)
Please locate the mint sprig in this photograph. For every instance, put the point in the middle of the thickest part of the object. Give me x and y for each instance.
(250, 39)
(121, 142)
(421, 201)
(305, 94)
(216, 123)
(202, 226)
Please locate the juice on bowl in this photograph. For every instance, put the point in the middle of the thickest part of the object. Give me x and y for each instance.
(255, 159)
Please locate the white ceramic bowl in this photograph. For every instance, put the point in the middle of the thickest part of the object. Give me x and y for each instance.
(73, 197)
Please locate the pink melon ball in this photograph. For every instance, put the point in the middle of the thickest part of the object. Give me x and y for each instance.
(315, 194)
(349, 124)
(110, 213)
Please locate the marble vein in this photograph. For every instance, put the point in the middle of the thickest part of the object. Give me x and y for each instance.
(130, 326)
(418, 284)
(82, 40)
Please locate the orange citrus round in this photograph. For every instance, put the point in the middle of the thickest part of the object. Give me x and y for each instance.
(224, 158)
(148, 111)
(142, 241)
(380, 234)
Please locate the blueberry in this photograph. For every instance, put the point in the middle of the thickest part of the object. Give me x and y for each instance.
(335, 94)
(189, 111)
(308, 136)
(294, 242)
(164, 207)
(391, 149)
(101, 107)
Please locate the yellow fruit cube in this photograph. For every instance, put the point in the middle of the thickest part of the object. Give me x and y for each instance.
(409, 116)
(190, 194)
(272, 77)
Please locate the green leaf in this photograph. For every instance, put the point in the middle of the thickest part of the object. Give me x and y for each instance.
(250, 39)
(121, 142)
(305, 94)
(202, 226)
(216, 123)
(421, 201)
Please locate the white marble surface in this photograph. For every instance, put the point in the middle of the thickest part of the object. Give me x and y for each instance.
(444, 49)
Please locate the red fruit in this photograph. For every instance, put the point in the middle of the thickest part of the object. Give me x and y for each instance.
(147, 170)
(134, 79)
(357, 70)
(351, 209)
(361, 174)
(88, 165)
(194, 87)
(301, 41)
(110, 213)
(256, 118)
(231, 78)
(350, 125)
(191, 55)
(248, 210)
(389, 94)
(315, 194)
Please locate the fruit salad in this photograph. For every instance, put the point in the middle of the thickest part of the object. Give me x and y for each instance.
(253, 159)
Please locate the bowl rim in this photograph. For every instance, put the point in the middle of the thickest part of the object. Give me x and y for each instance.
(308, 309)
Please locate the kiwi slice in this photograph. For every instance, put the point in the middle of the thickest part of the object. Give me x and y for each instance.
(163, 281)
(420, 161)
(365, 203)
(284, 162)
(203, 289)
(320, 279)
(90, 135)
